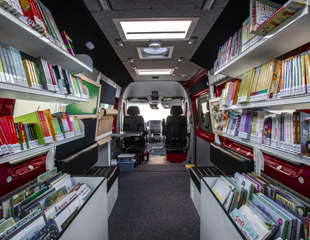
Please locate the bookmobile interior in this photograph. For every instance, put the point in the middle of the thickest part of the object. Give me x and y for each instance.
(143, 119)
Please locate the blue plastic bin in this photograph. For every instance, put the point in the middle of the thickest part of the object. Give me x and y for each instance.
(126, 166)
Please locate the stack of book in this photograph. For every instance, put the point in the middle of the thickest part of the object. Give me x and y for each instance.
(262, 210)
(44, 208)
(38, 74)
(286, 131)
(229, 50)
(272, 80)
(269, 20)
(36, 15)
(34, 129)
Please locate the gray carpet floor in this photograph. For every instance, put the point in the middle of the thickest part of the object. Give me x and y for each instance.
(175, 167)
(154, 205)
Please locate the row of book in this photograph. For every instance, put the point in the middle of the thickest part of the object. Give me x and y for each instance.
(272, 80)
(286, 131)
(35, 129)
(38, 74)
(37, 210)
(264, 16)
(36, 15)
(262, 210)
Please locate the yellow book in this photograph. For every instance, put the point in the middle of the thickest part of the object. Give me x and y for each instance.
(28, 72)
(273, 78)
(50, 124)
(34, 74)
(282, 76)
(254, 85)
(242, 87)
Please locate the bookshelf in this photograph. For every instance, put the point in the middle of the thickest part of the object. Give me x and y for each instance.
(13, 91)
(277, 152)
(24, 153)
(291, 34)
(18, 35)
(293, 102)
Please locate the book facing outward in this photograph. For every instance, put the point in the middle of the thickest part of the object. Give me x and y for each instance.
(221, 190)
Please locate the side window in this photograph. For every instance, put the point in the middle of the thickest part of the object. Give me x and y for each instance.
(203, 111)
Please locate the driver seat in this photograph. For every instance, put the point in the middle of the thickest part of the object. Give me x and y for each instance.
(133, 122)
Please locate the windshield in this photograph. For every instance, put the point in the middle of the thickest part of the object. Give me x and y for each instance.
(151, 114)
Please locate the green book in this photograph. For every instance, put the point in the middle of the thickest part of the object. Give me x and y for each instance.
(31, 197)
(32, 118)
(57, 126)
(75, 85)
(38, 74)
(2, 76)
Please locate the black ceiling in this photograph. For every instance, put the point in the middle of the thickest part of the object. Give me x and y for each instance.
(73, 17)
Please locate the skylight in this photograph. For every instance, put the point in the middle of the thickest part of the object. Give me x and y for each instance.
(154, 71)
(147, 28)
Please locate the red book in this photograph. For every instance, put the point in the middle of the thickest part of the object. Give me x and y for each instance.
(7, 130)
(52, 74)
(22, 132)
(43, 124)
(12, 126)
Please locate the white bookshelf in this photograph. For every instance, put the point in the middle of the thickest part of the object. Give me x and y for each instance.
(13, 91)
(25, 153)
(291, 34)
(291, 103)
(277, 152)
(24, 38)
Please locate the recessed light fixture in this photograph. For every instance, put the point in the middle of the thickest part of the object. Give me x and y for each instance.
(130, 60)
(159, 28)
(154, 71)
(90, 45)
(192, 40)
(208, 4)
(173, 74)
(119, 42)
(155, 50)
(177, 67)
(180, 59)
(185, 75)
(105, 5)
(133, 67)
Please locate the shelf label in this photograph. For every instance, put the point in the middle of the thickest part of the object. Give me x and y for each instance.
(50, 87)
(16, 147)
(25, 146)
(57, 89)
(4, 149)
(32, 144)
(9, 147)
(48, 139)
(78, 132)
(1, 152)
(69, 134)
(59, 137)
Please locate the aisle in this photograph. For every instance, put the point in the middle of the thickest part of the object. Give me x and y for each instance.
(154, 205)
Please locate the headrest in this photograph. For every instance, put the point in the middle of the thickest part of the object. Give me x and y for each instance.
(176, 110)
(133, 110)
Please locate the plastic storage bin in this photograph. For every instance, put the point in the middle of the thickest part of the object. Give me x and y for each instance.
(126, 166)
(126, 157)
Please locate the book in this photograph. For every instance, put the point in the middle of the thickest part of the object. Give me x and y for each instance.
(243, 225)
(221, 191)
(278, 17)
(44, 74)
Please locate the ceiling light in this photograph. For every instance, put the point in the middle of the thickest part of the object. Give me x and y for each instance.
(119, 42)
(208, 4)
(185, 75)
(180, 59)
(90, 45)
(192, 40)
(177, 67)
(173, 74)
(145, 29)
(133, 67)
(105, 5)
(152, 53)
(130, 60)
(154, 71)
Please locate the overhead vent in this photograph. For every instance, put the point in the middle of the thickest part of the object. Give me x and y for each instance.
(143, 29)
(154, 71)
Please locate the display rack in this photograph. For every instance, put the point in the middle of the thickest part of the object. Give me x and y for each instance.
(24, 153)
(13, 91)
(293, 102)
(277, 152)
(290, 35)
(22, 37)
